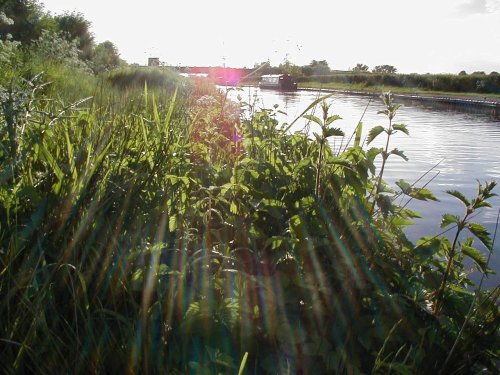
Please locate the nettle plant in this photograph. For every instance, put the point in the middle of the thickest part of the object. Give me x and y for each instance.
(216, 131)
(454, 252)
(326, 132)
(389, 111)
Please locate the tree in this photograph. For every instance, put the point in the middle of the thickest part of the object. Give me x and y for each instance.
(260, 65)
(77, 28)
(54, 47)
(105, 57)
(389, 69)
(462, 73)
(9, 52)
(288, 67)
(360, 68)
(28, 18)
(319, 67)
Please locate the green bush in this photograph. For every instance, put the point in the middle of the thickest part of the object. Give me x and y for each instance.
(154, 78)
(478, 83)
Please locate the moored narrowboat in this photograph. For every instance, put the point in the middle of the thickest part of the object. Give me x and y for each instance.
(284, 82)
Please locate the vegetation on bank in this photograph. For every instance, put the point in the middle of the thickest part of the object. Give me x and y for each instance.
(382, 78)
(376, 90)
(450, 84)
(160, 232)
(474, 84)
(150, 225)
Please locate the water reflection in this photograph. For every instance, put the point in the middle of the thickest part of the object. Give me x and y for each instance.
(459, 147)
(490, 111)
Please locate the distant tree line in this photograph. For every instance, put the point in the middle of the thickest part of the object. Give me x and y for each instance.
(317, 68)
(386, 75)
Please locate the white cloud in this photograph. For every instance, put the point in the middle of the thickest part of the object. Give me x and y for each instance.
(478, 6)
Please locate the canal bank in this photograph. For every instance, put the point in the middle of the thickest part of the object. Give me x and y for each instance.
(465, 102)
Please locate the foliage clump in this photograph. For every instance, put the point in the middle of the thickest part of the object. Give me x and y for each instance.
(161, 232)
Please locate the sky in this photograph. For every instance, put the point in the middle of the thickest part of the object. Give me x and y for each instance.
(425, 36)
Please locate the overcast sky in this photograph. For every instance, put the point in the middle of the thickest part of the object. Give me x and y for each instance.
(434, 36)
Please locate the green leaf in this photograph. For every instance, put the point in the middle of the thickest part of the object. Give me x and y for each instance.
(30, 194)
(275, 242)
(449, 219)
(480, 203)
(373, 152)
(333, 132)
(401, 128)
(313, 119)
(243, 363)
(481, 233)
(224, 360)
(385, 204)
(459, 196)
(172, 223)
(359, 130)
(233, 208)
(338, 161)
(401, 221)
(399, 153)
(404, 186)
(312, 105)
(476, 256)
(423, 194)
(374, 133)
(331, 119)
(49, 158)
(253, 173)
(486, 191)
(411, 214)
(171, 108)
(427, 247)
(417, 193)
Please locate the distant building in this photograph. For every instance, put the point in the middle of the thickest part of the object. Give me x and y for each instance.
(153, 61)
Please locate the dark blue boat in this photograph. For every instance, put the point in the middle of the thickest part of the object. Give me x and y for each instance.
(284, 82)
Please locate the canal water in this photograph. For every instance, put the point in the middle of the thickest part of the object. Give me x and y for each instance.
(448, 148)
